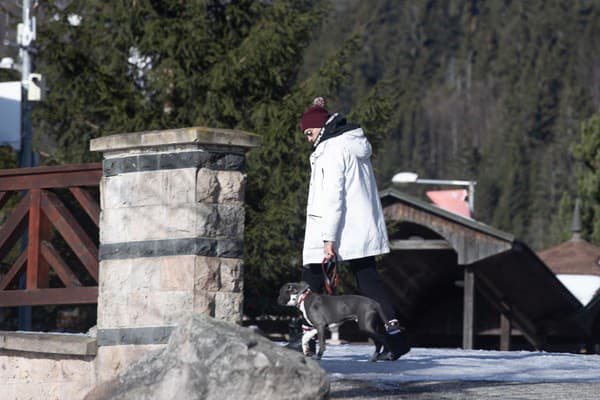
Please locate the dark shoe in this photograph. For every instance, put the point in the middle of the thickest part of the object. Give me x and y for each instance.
(388, 355)
(397, 345)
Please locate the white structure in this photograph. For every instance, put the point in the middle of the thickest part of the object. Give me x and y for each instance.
(576, 263)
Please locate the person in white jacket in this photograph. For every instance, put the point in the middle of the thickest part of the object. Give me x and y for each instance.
(344, 216)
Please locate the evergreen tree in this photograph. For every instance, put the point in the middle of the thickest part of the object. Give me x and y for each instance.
(142, 65)
(588, 154)
(156, 65)
(561, 226)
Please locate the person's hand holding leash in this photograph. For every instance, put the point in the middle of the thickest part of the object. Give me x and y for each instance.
(328, 250)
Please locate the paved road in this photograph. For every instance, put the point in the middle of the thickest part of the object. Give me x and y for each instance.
(470, 390)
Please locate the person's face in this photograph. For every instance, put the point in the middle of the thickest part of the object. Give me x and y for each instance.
(311, 133)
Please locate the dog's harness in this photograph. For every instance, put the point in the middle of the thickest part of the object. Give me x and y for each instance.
(309, 331)
(300, 304)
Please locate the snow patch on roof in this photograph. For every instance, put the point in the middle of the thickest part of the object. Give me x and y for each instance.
(583, 287)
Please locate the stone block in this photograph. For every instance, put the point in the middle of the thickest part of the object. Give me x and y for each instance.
(55, 343)
(144, 309)
(231, 274)
(145, 274)
(149, 188)
(198, 136)
(129, 275)
(44, 376)
(175, 305)
(133, 224)
(203, 221)
(207, 274)
(232, 185)
(114, 225)
(228, 306)
(125, 286)
(230, 162)
(157, 308)
(207, 186)
(15, 369)
(231, 220)
(111, 360)
(113, 311)
(76, 369)
(114, 276)
(181, 184)
(102, 188)
(177, 273)
(204, 302)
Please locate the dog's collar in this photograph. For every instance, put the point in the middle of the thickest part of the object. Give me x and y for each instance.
(303, 296)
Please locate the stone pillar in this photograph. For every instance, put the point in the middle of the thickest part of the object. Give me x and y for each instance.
(171, 235)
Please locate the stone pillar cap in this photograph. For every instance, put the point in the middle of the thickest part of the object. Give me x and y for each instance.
(182, 136)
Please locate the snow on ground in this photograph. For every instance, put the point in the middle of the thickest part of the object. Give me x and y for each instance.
(424, 364)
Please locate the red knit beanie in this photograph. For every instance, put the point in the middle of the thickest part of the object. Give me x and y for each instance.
(316, 116)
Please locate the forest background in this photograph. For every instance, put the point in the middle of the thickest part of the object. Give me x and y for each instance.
(506, 93)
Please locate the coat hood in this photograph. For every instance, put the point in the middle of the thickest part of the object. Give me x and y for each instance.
(354, 141)
(341, 133)
(357, 143)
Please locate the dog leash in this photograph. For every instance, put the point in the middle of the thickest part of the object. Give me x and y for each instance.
(303, 296)
(330, 274)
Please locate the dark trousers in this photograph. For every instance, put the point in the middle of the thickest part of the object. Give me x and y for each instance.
(367, 279)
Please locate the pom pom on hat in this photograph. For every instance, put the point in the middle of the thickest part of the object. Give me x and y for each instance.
(319, 101)
(316, 116)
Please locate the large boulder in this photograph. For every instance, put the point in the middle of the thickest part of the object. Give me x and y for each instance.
(213, 359)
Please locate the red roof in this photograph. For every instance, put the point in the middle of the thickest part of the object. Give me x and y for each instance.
(575, 256)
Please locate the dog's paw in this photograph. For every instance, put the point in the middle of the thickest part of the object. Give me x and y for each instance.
(316, 357)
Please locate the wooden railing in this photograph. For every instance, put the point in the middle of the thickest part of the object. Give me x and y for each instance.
(49, 203)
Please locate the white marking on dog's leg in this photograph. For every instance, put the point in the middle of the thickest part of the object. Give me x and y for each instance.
(306, 338)
(335, 333)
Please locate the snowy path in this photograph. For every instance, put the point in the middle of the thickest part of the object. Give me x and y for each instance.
(422, 364)
(425, 374)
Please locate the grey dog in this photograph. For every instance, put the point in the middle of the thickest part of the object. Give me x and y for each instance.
(321, 311)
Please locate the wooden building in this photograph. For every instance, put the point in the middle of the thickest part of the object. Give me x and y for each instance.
(456, 281)
(576, 263)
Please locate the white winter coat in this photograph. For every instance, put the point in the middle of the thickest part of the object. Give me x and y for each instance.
(343, 202)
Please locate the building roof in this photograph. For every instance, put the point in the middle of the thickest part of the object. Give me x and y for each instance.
(471, 239)
(391, 195)
(575, 256)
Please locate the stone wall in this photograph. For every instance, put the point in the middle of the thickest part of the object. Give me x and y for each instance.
(46, 366)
